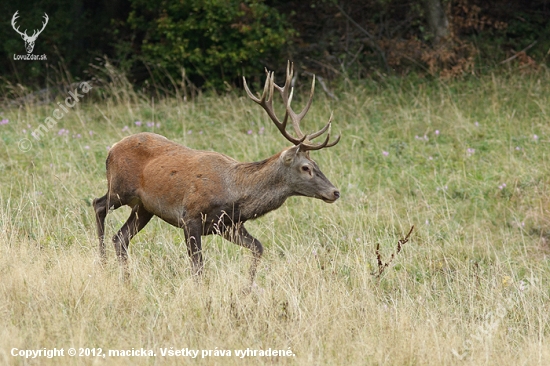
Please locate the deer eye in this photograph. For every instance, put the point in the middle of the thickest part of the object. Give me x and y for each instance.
(305, 168)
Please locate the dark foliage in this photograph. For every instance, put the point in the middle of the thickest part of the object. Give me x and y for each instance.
(213, 43)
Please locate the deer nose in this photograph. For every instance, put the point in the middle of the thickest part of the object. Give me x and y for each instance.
(336, 194)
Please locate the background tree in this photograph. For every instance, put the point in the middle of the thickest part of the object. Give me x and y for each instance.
(437, 19)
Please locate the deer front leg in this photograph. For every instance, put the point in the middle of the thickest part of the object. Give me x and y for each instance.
(101, 209)
(194, 247)
(238, 235)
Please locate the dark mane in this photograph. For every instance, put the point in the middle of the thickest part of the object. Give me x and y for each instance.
(257, 165)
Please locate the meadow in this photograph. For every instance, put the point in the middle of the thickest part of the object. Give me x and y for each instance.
(466, 162)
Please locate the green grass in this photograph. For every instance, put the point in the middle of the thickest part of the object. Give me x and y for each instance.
(473, 278)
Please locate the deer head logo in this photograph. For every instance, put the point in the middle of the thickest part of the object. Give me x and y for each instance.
(29, 40)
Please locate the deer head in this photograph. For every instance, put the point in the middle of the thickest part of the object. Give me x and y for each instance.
(29, 40)
(304, 174)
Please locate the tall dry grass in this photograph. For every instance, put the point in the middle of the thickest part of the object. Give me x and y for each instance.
(471, 287)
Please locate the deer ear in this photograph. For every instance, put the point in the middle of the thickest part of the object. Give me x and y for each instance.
(288, 155)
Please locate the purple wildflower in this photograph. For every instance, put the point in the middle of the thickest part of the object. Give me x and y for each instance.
(523, 285)
(63, 132)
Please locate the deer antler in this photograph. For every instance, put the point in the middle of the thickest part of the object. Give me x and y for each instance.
(24, 34)
(266, 101)
(43, 26)
(13, 19)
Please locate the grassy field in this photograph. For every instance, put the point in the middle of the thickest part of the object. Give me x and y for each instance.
(467, 163)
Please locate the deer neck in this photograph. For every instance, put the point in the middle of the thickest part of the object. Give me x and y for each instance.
(261, 187)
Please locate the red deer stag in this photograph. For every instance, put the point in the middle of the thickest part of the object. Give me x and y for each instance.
(205, 192)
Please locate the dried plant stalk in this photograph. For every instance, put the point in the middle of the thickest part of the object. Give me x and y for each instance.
(381, 265)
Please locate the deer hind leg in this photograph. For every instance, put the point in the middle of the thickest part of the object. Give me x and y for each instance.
(139, 217)
(238, 235)
(101, 208)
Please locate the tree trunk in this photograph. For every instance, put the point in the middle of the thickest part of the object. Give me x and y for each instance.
(437, 19)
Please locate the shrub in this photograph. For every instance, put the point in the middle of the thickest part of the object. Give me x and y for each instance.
(215, 41)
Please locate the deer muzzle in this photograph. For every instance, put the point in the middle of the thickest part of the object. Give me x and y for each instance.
(332, 196)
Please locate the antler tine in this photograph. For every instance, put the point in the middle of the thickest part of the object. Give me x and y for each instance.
(13, 19)
(309, 147)
(311, 136)
(252, 96)
(287, 92)
(267, 93)
(296, 118)
(43, 24)
(289, 73)
(310, 100)
(284, 90)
